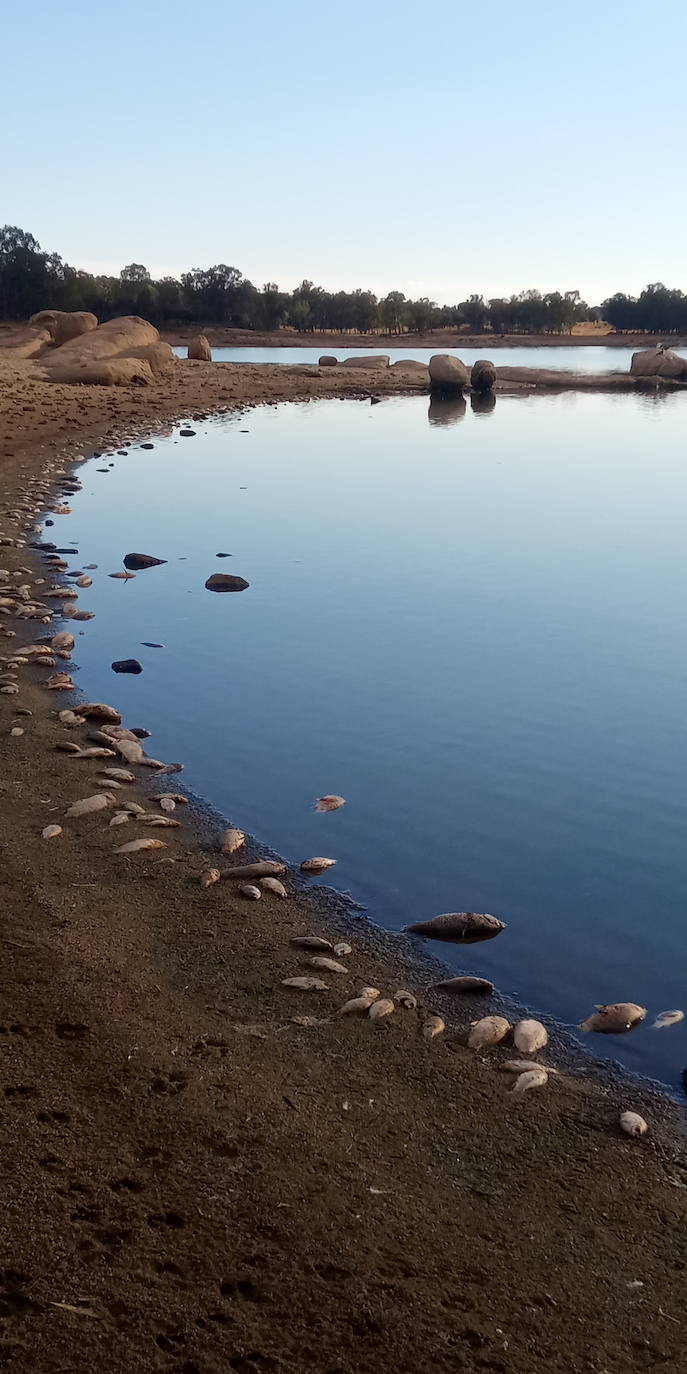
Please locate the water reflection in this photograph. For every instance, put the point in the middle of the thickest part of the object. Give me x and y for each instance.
(446, 410)
(482, 402)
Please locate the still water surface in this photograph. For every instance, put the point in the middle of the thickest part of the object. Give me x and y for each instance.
(471, 626)
(583, 359)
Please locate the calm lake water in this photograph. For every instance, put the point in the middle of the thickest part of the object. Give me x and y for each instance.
(593, 359)
(471, 626)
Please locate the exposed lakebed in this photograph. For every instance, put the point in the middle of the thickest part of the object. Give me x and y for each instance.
(471, 628)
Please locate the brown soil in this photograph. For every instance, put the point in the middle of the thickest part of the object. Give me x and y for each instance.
(194, 1184)
(438, 339)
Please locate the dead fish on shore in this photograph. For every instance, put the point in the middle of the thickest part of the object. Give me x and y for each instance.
(97, 710)
(119, 774)
(84, 581)
(263, 868)
(362, 1002)
(311, 942)
(99, 802)
(62, 640)
(405, 999)
(343, 949)
(633, 1124)
(95, 752)
(209, 876)
(159, 821)
(330, 802)
(465, 984)
(120, 818)
(130, 750)
(176, 798)
(60, 682)
(134, 846)
(70, 719)
(51, 832)
(668, 1018)
(273, 885)
(613, 1018)
(532, 1078)
(122, 576)
(523, 1066)
(232, 840)
(464, 927)
(317, 865)
(10, 690)
(433, 1026)
(530, 1036)
(489, 1030)
(250, 890)
(16, 731)
(305, 984)
(329, 965)
(378, 1010)
(67, 746)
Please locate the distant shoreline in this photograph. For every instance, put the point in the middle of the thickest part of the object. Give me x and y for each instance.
(438, 340)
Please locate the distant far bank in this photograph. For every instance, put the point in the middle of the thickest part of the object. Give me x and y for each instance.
(439, 339)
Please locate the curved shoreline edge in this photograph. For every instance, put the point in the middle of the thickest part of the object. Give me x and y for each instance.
(155, 1014)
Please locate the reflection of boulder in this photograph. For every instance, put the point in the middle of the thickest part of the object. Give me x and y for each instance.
(447, 373)
(327, 360)
(65, 324)
(483, 375)
(482, 402)
(124, 351)
(659, 362)
(446, 410)
(376, 361)
(199, 349)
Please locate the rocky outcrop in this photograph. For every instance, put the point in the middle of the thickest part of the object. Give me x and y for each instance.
(659, 362)
(199, 349)
(410, 368)
(65, 324)
(124, 351)
(483, 375)
(26, 340)
(374, 361)
(447, 373)
(327, 360)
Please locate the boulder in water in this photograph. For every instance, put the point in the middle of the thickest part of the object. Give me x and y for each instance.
(327, 360)
(127, 665)
(199, 349)
(136, 561)
(659, 362)
(224, 582)
(447, 373)
(483, 375)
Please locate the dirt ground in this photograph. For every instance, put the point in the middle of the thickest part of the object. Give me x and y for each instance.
(192, 1182)
(438, 339)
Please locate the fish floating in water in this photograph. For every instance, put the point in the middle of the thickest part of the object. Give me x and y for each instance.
(465, 984)
(612, 1018)
(465, 927)
(329, 803)
(668, 1018)
(317, 865)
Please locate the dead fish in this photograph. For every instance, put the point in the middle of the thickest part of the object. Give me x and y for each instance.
(177, 797)
(523, 1066)
(329, 803)
(70, 719)
(343, 949)
(405, 999)
(51, 832)
(124, 576)
(613, 1018)
(97, 710)
(167, 804)
(250, 890)
(119, 774)
(209, 876)
(433, 1026)
(130, 750)
(16, 731)
(63, 593)
(487, 1031)
(311, 942)
(305, 984)
(11, 690)
(317, 865)
(465, 984)
(263, 868)
(329, 965)
(95, 753)
(465, 927)
(120, 818)
(362, 1002)
(120, 732)
(378, 1010)
(135, 808)
(633, 1124)
(82, 615)
(159, 821)
(84, 581)
(668, 1018)
(99, 802)
(273, 885)
(307, 1021)
(530, 1036)
(232, 840)
(134, 846)
(532, 1078)
(67, 746)
(60, 682)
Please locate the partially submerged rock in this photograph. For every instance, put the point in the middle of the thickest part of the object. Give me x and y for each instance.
(199, 349)
(138, 561)
(127, 665)
(659, 362)
(447, 373)
(225, 582)
(483, 375)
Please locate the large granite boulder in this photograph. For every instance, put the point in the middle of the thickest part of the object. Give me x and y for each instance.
(124, 351)
(377, 362)
(327, 360)
(65, 324)
(447, 373)
(659, 362)
(199, 349)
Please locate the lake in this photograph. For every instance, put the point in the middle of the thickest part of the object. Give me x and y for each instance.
(471, 625)
(582, 359)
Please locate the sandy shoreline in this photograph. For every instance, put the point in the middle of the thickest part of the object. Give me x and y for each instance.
(438, 340)
(214, 1187)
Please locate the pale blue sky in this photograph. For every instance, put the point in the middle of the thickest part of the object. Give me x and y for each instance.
(437, 149)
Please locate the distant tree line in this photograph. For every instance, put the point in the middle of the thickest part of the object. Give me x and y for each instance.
(33, 280)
